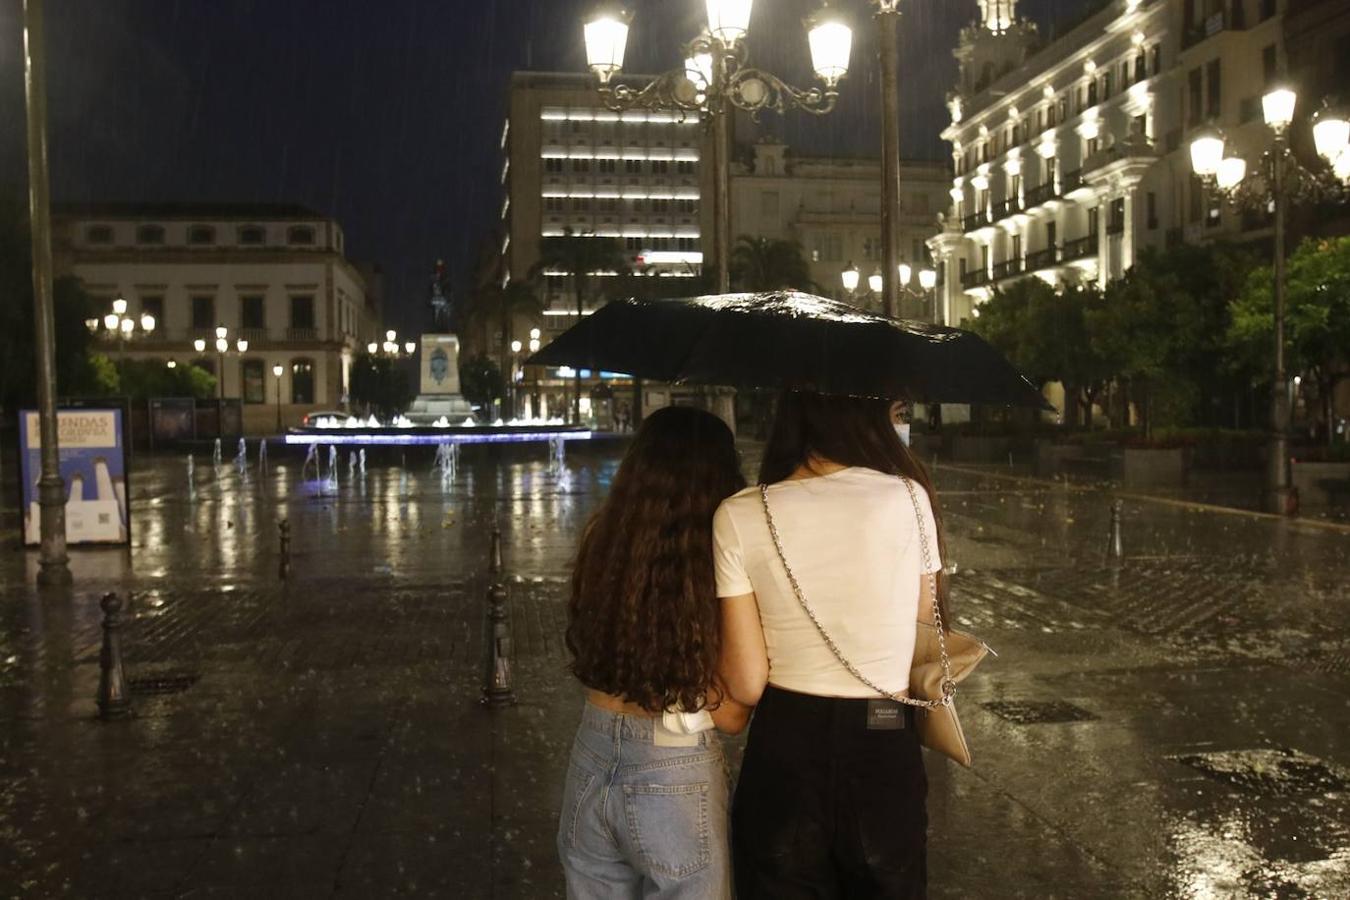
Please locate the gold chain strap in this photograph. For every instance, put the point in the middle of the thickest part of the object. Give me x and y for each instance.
(948, 686)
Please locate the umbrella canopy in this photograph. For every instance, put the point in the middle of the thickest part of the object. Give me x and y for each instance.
(787, 339)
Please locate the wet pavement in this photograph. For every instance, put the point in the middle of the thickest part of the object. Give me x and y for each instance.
(1172, 725)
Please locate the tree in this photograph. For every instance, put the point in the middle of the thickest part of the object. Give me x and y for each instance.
(142, 379)
(1162, 327)
(78, 370)
(580, 257)
(480, 380)
(769, 264)
(380, 386)
(1317, 319)
(1044, 333)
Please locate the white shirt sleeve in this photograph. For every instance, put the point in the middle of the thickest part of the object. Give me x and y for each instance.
(728, 556)
(930, 529)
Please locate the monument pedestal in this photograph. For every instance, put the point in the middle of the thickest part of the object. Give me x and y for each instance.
(439, 395)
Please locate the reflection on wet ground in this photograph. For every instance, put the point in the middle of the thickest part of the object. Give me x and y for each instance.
(1170, 725)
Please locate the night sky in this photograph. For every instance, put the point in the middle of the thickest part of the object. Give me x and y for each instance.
(386, 113)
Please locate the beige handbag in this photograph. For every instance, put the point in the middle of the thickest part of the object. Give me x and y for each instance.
(942, 658)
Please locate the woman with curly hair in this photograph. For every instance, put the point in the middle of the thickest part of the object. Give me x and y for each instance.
(644, 810)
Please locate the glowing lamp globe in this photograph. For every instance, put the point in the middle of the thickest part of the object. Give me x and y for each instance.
(278, 369)
(372, 348)
(874, 282)
(1278, 107)
(241, 345)
(147, 322)
(906, 273)
(831, 43)
(850, 278)
(1231, 172)
(222, 345)
(729, 20)
(606, 38)
(199, 345)
(120, 306)
(110, 322)
(1206, 153)
(927, 279)
(1331, 134)
(410, 347)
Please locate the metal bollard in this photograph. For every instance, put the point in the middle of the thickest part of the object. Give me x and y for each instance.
(284, 569)
(1114, 549)
(114, 702)
(497, 689)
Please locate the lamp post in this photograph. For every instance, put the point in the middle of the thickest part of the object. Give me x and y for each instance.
(53, 563)
(278, 370)
(1226, 175)
(222, 348)
(516, 347)
(534, 376)
(888, 47)
(120, 327)
(714, 79)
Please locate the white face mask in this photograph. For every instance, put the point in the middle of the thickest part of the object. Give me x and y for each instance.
(902, 429)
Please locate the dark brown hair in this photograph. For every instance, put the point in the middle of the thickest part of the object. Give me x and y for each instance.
(851, 431)
(643, 622)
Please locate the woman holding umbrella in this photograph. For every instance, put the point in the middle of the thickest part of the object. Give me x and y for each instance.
(824, 571)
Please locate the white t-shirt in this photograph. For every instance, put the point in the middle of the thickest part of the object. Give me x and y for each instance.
(852, 542)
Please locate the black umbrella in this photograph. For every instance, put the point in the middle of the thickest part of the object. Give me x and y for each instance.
(786, 339)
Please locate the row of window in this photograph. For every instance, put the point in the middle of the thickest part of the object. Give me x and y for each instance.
(686, 206)
(253, 378)
(1076, 100)
(556, 165)
(638, 244)
(203, 235)
(252, 311)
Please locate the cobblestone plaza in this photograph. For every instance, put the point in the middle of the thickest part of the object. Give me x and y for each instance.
(1172, 725)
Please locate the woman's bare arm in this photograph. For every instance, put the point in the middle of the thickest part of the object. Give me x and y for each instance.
(744, 666)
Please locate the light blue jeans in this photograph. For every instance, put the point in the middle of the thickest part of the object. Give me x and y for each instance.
(641, 820)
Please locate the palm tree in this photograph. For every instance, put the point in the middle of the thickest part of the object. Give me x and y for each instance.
(769, 264)
(580, 256)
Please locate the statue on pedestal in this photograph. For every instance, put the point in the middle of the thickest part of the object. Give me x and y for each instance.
(439, 397)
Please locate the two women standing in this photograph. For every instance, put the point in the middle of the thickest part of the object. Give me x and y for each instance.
(695, 602)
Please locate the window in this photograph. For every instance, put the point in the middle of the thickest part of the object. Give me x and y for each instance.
(660, 167)
(608, 166)
(686, 244)
(553, 165)
(685, 167)
(1193, 97)
(768, 203)
(1213, 95)
(687, 206)
(1268, 63)
(1050, 234)
(1139, 126)
(661, 206)
(553, 204)
(251, 372)
(632, 166)
(1015, 188)
(252, 236)
(1093, 145)
(917, 251)
(581, 166)
(1049, 171)
(201, 235)
(1092, 219)
(1239, 15)
(1140, 67)
(1155, 59)
(1092, 93)
(608, 204)
(1267, 9)
(1116, 221)
(871, 248)
(251, 313)
(1152, 209)
(300, 234)
(1106, 84)
(632, 243)
(581, 204)
(984, 257)
(302, 312)
(302, 381)
(150, 234)
(203, 313)
(98, 234)
(1017, 246)
(154, 306)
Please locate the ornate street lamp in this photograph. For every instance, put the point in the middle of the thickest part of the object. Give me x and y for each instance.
(120, 327)
(716, 78)
(277, 371)
(223, 348)
(849, 277)
(1281, 176)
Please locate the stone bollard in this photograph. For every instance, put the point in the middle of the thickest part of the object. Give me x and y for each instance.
(284, 568)
(497, 689)
(1114, 548)
(114, 702)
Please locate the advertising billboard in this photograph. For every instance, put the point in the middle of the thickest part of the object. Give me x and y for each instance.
(93, 464)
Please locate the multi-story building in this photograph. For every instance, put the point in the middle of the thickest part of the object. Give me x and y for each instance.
(1070, 158)
(274, 275)
(831, 207)
(574, 167)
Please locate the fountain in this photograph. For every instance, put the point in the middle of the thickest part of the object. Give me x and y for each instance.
(215, 453)
(351, 465)
(241, 458)
(363, 462)
(262, 456)
(332, 480)
(311, 459)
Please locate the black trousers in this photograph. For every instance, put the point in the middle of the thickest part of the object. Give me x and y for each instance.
(826, 808)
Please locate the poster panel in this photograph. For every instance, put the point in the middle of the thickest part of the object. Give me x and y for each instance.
(93, 464)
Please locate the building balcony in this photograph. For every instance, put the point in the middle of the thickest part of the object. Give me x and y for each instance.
(302, 334)
(1216, 23)
(974, 278)
(1040, 194)
(1006, 208)
(975, 221)
(1080, 248)
(1042, 259)
(1072, 181)
(253, 335)
(1007, 269)
(1125, 161)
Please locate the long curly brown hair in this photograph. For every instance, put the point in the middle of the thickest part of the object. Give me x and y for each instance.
(643, 622)
(851, 431)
